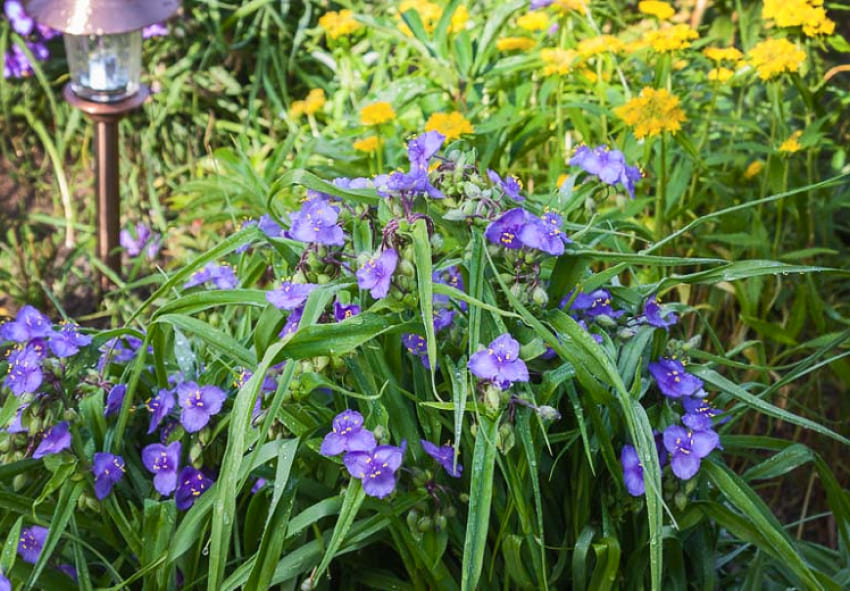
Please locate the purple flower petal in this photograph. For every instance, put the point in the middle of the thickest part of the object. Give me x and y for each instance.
(31, 542)
(57, 439)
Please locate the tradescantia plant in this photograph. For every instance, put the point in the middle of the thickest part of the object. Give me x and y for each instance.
(410, 381)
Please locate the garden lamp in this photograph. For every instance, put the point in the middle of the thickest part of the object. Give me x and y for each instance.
(103, 42)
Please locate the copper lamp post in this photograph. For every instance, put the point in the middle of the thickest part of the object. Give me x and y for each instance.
(103, 42)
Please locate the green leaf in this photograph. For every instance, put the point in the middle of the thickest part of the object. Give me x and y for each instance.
(213, 337)
(785, 461)
(354, 497)
(65, 507)
(422, 258)
(157, 532)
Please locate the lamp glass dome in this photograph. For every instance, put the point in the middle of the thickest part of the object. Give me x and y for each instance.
(105, 68)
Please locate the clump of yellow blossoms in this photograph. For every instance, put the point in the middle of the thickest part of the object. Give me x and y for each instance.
(720, 75)
(314, 101)
(452, 125)
(792, 144)
(338, 24)
(376, 113)
(671, 38)
(429, 14)
(513, 43)
(755, 167)
(660, 10)
(723, 54)
(558, 61)
(772, 57)
(459, 19)
(566, 5)
(598, 45)
(536, 20)
(652, 113)
(367, 144)
(808, 14)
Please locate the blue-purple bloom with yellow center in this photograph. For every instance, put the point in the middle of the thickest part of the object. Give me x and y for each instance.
(159, 406)
(608, 165)
(632, 471)
(517, 228)
(344, 312)
(191, 484)
(29, 324)
(316, 222)
(115, 399)
(376, 468)
(509, 185)
(593, 304)
(687, 448)
(57, 439)
(655, 315)
(499, 363)
(25, 375)
(673, 380)
(347, 434)
(108, 470)
(290, 295)
(445, 456)
(377, 273)
(221, 276)
(699, 414)
(199, 403)
(417, 345)
(162, 462)
(31, 542)
(420, 150)
(67, 341)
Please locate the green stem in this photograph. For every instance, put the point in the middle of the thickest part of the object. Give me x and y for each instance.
(661, 191)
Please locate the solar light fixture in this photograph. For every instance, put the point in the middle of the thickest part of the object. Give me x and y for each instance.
(103, 42)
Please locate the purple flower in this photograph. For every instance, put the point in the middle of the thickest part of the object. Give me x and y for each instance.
(16, 63)
(292, 322)
(376, 469)
(162, 461)
(537, 4)
(445, 456)
(5, 584)
(15, 425)
(417, 345)
(56, 439)
(118, 350)
(29, 324)
(544, 234)
(377, 273)
(673, 380)
(199, 403)
(67, 341)
(632, 471)
(593, 304)
(347, 434)
(449, 276)
(145, 241)
(25, 374)
(108, 470)
(260, 483)
(290, 295)
(699, 413)
(510, 185)
(159, 406)
(316, 222)
(68, 570)
(420, 150)
(609, 165)
(655, 315)
(269, 227)
(222, 276)
(154, 30)
(343, 312)
(500, 363)
(443, 318)
(21, 22)
(115, 399)
(505, 230)
(687, 448)
(31, 542)
(191, 484)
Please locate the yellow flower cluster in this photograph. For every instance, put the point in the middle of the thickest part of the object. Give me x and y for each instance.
(755, 167)
(314, 101)
(376, 113)
(514, 43)
(459, 19)
(367, 144)
(429, 14)
(808, 14)
(720, 74)
(567, 5)
(452, 125)
(536, 20)
(772, 57)
(723, 54)
(652, 113)
(660, 10)
(671, 39)
(338, 24)
(599, 44)
(792, 144)
(558, 61)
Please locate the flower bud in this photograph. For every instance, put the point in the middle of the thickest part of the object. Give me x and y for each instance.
(195, 451)
(436, 242)
(380, 433)
(507, 438)
(323, 278)
(548, 414)
(606, 321)
(492, 399)
(440, 523)
(540, 297)
(692, 343)
(626, 333)
(425, 524)
(681, 500)
(406, 268)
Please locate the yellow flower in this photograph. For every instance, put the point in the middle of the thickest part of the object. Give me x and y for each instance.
(315, 100)
(452, 125)
(660, 10)
(652, 113)
(722, 54)
(671, 38)
(512, 43)
(720, 75)
(772, 57)
(558, 61)
(367, 144)
(808, 14)
(755, 167)
(337, 24)
(792, 144)
(599, 44)
(429, 14)
(536, 20)
(561, 178)
(459, 19)
(566, 5)
(376, 113)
